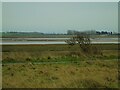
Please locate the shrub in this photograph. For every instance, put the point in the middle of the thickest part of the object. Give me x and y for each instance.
(8, 59)
(49, 57)
(83, 40)
(28, 59)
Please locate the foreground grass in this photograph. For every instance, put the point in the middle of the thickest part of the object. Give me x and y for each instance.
(84, 74)
(59, 66)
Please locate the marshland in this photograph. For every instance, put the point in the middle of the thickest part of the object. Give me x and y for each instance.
(59, 66)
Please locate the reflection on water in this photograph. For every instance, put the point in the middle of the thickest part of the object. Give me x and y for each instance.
(14, 41)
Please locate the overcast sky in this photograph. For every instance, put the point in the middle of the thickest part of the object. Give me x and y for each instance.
(51, 17)
(0, 16)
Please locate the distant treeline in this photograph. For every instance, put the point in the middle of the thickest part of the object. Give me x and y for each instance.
(69, 32)
(92, 32)
(40, 33)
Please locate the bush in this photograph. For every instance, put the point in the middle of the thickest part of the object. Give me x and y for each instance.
(28, 59)
(8, 59)
(83, 40)
(71, 41)
(49, 57)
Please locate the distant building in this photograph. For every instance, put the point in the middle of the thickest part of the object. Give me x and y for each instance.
(103, 33)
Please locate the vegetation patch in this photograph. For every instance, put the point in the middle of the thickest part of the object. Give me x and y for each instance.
(63, 67)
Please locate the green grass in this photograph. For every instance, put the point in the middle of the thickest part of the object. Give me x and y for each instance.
(42, 53)
(19, 48)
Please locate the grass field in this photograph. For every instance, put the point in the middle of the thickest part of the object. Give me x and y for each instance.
(59, 66)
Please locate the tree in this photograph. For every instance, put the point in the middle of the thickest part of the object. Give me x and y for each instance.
(82, 39)
(71, 41)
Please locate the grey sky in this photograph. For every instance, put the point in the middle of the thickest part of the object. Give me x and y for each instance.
(59, 17)
(0, 16)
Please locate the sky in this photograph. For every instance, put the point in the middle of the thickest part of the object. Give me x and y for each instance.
(0, 16)
(58, 17)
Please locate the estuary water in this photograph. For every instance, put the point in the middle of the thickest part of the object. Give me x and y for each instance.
(18, 41)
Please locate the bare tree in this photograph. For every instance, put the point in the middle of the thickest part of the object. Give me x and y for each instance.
(82, 39)
(71, 41)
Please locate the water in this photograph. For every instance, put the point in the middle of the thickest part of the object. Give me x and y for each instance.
(18, 41)
(34, 39)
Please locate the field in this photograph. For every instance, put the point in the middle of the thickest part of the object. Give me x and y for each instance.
(59, 66)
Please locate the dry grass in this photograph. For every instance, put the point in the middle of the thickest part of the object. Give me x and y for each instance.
(74, 75)
(85, 71)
